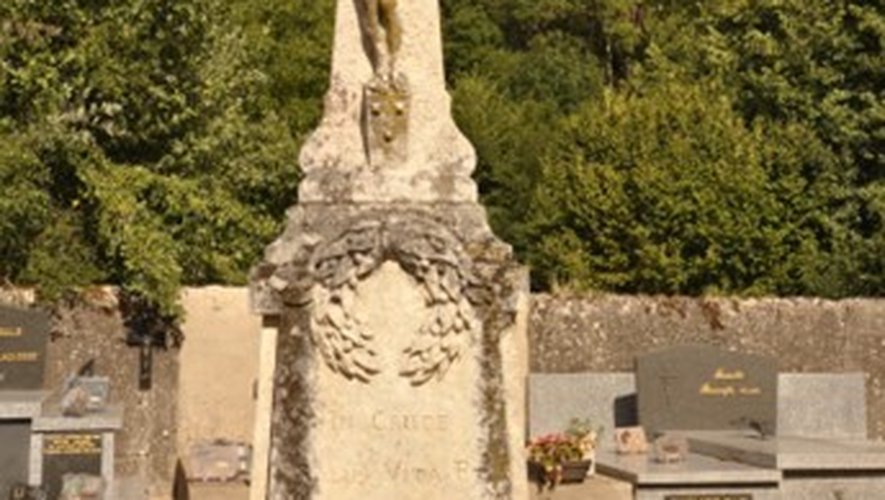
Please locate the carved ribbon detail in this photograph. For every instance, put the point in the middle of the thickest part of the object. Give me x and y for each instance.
(433, 257)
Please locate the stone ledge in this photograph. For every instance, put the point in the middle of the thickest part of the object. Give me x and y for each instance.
(109, 420)
(791, 453)
(697, 469)
(21, 404)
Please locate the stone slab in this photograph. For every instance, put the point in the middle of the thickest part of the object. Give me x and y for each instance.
(21, 404)
(806, 405)
(868, 487)
(108, 420)
(721, 493)
(606, 399)
(697, 469)
(700, 387)
(399, 439)
(791, 453)
(15, 439)
(23, 337)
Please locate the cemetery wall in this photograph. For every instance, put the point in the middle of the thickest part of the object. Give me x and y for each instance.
(603, 333)
(219, 366)
(93, 328)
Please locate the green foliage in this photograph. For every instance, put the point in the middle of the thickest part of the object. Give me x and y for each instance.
(657, 147)
(140, 145)
(672, 147)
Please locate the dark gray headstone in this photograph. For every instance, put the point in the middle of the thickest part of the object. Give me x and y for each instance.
(23, 336)
(703, 388)
(15, 446)
(69, 453)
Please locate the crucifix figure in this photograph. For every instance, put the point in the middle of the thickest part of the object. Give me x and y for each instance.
(385, 30)
(386, 97)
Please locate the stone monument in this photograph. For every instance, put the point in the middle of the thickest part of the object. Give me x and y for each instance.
(401, 357)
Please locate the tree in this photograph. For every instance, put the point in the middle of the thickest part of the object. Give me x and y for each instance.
(144, 143)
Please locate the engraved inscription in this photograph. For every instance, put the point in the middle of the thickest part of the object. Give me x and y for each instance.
(19, 357)
(6, 331)
(72, 444)
(402, 471)
(729, 383)
(386, 421)
(382, 421)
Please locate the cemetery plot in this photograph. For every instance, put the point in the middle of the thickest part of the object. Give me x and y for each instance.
(69, 453)
(704, 388)
(23, 335)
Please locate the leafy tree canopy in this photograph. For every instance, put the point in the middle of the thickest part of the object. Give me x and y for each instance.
(635, 146)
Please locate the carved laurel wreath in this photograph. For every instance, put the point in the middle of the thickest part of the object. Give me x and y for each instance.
(429, 254)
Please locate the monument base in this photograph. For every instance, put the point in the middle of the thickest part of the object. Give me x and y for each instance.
(401, 356)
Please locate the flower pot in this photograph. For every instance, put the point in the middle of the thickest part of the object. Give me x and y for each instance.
(575, 472)
(570, 472)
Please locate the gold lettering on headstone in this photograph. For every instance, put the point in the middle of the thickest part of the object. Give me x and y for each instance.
(723, 374)
(71, 444)
(19, 357)
(729, 383)
(6, 331)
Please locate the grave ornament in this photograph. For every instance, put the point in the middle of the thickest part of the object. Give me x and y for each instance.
(670, 448)
(386, 96)
(631, 440)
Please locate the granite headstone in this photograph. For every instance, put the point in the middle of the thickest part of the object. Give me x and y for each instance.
(697, 387)
(23, 336)
(15, 437)
(69, 453)
(607, 400)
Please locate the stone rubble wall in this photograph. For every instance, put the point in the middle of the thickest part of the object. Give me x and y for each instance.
(93, 329)
(603, 333)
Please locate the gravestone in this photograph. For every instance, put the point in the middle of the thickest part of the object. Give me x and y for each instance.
(607, 400)
(401, 353)
(23, 336)
(697, 387)
(70, 453)
(15, 436)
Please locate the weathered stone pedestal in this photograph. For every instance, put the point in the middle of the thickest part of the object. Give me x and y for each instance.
(401, 355)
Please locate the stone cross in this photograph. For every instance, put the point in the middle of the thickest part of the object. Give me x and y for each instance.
(401, 349)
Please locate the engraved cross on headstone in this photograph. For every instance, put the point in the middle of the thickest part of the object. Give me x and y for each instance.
(667, 378)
